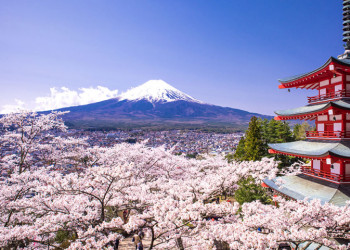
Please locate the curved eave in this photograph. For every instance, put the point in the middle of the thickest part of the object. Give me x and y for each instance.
(316, 75)
(311, 149)
(297, 77)
(311, 111)
(303, 116)
(299, 188)
(300, 155)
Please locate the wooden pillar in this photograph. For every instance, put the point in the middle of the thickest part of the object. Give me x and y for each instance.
(342, 169)
(347, 133)
(343, 124)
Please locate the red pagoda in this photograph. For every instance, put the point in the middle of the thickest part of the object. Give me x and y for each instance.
(328, 148)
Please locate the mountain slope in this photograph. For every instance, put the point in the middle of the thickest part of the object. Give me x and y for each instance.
(156, 104)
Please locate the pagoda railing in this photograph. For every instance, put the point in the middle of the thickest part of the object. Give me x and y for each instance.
(327, 134)
(326, 175)
(331, 95)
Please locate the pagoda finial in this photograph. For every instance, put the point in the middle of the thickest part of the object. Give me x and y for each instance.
(346, 29)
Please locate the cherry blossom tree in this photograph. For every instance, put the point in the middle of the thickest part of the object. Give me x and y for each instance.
(23, 135)
(168, 196)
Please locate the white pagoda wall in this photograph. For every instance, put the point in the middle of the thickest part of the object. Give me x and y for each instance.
(338, 87)
(337, 79)
(316, 164)
(337, 127)
(336, 168)
(347, 169)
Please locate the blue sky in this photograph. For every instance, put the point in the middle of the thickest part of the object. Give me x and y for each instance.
(224, 52)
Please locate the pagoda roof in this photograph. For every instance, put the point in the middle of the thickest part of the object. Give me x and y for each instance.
(313, 149)
(300, 187)
(310, 80)
(300, 112)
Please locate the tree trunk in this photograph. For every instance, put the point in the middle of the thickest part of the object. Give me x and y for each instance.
(152, 240)
(179, 243)
(220, 245)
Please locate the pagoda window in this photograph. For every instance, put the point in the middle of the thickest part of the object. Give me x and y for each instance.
(335, 168)
(348, 87)
(323, 91)
(347, 126)
(347, 116)
(335, 117)
(324, 83)
(347, 169)
(348, 78)
(320, 127)
(336, 79)
(338, 87)
(337, 126)
(316, 164)
(325, 117)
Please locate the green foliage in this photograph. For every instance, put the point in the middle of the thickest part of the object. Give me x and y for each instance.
(61, 236)
(249, 191)
(192, 156)
(276, 131)
(260, 133)
(299, 130)
(254, 146)
(251, 147)
(156, 125)
(64, 237)
(230, 157)
(285, 160)
(240, 154)
(283, 132)
(264, 129)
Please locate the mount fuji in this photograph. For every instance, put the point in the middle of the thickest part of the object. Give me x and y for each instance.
(156, 104)
(156, 91)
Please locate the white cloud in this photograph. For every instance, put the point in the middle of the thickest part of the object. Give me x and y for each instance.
(19, 105)
(64, 97)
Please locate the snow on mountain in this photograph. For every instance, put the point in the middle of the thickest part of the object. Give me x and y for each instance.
(156, 91)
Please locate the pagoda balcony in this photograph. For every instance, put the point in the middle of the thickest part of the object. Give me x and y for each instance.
(307, 170)
(328, 96)
(327, 134)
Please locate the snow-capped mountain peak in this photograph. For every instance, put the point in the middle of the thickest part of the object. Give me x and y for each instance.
(156, 91)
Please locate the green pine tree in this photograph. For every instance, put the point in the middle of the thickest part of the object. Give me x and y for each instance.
(260, 132)
(253, 145)
(239, 154)
(272, 131)
(265, 132)
(284, 133)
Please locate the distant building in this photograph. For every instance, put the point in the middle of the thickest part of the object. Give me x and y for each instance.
(328, 148)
